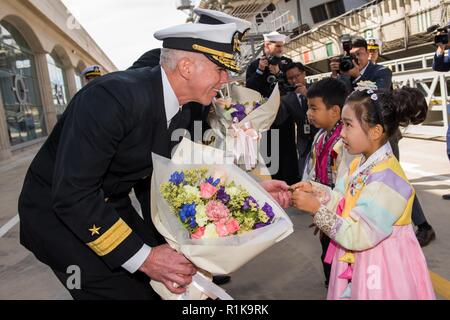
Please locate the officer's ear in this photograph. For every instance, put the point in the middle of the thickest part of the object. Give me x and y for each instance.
(185, 68)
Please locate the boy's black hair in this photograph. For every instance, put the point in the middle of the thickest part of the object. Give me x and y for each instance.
(332, 91)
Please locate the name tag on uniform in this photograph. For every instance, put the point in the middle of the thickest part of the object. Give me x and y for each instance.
(306, 129)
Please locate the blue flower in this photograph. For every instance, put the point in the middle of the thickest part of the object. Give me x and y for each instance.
(211, 181)
(239, 107)
(177, 177)
(247, 202)
(269, 211)
(187, 212)
(260, 225)
(238, 115)
(192, 223)
(223, 196)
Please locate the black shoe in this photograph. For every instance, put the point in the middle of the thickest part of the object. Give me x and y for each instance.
(219, 280)
(446, 196)
(425, 236)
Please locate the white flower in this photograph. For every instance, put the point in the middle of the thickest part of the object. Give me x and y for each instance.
(366, 85)
(232, 191)
(191, 191)
(374, 97)
(210, 231)
(200, 217)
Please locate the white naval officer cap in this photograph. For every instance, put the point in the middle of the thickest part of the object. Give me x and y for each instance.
(275, 37)
(207, 16)
(374, 43)
(92, 72)
(217, 42)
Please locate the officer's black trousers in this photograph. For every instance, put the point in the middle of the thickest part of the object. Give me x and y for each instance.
(113, 286)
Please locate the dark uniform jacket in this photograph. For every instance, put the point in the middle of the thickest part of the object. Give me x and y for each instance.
(259, 82)
(441, 63)
(291, 107)
(74, 206)
(377, 73)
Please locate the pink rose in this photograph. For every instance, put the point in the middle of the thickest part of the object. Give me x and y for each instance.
(217, 212)
(233, 226)
(207, 191)
(222, 229)
(199, 233)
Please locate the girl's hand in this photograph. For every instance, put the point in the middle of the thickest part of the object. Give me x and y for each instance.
(305, 201)
(302, 186)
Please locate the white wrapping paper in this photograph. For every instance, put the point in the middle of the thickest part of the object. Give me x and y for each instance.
(218, 256)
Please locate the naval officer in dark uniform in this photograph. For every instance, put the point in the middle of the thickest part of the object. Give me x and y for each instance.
(75, 208)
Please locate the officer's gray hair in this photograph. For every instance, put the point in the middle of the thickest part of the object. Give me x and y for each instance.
(170, 57)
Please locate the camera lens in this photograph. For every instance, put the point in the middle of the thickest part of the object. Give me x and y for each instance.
(271, 79)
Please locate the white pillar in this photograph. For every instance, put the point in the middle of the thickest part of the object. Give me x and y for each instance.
(46, 91)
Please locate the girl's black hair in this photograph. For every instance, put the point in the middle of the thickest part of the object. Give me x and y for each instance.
(390, 109)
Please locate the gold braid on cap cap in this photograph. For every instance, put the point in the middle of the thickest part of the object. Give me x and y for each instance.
(212, 51)
(229, 63)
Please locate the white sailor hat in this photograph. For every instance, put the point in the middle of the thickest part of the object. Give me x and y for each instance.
(275, 37)
(92, 72)
(207, 16)
(374, 43)
(217, 42)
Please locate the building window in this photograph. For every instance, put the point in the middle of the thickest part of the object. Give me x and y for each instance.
(19, 87)
(329, 47)
(327, 11)
(335, 8)
(319, 13)
(78, 81)
(268, 10)
(58, 83)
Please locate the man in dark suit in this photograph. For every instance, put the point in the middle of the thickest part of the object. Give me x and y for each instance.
(195, 115)
(364, 69)
(441, 62)
(294, 105)
(75, 208)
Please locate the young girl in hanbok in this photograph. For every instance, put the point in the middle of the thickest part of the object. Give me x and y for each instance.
(368, 214)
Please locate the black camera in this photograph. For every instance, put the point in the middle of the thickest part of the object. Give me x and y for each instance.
(442, 38)
(274, 60)
(346, 62)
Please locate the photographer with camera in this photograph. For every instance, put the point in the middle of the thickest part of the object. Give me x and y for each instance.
(355, 66)
(441, 62)
(264, 73)
(294, 105)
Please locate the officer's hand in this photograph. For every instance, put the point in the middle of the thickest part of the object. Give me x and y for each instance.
(169, 267)
(274, 69)
(263, 63)
(279, 190)
(301, 89)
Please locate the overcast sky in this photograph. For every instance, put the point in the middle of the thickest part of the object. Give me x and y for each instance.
(124, 28)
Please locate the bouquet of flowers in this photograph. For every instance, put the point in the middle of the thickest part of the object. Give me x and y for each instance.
(238, 122)
(217, 215)
(210, 207)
